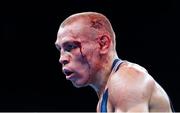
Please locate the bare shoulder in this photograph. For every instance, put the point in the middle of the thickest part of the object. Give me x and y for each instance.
(159, 100)
(133, 88)
(132, 74)
(130, 84)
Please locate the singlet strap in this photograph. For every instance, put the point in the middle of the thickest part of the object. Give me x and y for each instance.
(115, 66)
(104, 101)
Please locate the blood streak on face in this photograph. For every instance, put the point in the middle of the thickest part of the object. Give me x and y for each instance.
(83, 56)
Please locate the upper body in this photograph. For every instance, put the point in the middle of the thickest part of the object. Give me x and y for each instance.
(87, 46)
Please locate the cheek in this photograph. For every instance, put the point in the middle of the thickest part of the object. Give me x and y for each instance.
(91, 56)
(86, 56)
(80, 57)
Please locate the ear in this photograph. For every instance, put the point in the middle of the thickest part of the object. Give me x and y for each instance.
(104, 43)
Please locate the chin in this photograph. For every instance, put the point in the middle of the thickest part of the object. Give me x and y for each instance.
(79, 84)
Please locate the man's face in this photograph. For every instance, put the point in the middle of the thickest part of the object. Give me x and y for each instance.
(78, 53)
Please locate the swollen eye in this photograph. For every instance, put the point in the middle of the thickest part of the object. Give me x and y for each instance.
(70, 47)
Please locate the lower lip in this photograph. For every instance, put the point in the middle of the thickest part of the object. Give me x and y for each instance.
(70, 77)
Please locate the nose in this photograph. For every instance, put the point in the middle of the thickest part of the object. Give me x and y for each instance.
(64, 59)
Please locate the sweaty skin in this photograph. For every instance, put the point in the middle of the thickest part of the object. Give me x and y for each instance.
(86, 42)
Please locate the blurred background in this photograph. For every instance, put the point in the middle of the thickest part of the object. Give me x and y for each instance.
(30, 75)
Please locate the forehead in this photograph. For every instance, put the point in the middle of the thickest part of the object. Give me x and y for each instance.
(75, 31)
(65, 35)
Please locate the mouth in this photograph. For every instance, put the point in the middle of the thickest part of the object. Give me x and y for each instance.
(67, 72)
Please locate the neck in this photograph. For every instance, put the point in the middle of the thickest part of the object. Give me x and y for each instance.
(102, 76)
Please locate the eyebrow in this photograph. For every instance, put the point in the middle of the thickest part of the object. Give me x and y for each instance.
(65, 43)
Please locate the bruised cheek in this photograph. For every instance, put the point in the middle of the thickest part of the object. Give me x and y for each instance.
(82, 56)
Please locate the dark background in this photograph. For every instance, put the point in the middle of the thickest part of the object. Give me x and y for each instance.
(30, 75)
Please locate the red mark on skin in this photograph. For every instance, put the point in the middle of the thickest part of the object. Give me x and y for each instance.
(84, 56)
(96, 24)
